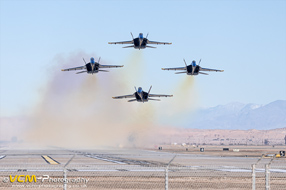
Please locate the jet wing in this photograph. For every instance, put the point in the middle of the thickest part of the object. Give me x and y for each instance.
(164, 43)
(110, 66)
(125, 96)
(178, 68)
(206, 69)
(126, 42)
(159, 95)
(74, 69)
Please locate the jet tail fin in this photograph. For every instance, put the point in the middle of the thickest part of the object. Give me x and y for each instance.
(203, 73)
(84, 60)
(132, 100)
(149, 90)
(180, 72)
(128, 46)
(185, 62)
(150, 47)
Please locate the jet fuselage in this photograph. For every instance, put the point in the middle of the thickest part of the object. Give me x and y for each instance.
(92, 66)
(140, 43)
(141, 96)
(193, 69)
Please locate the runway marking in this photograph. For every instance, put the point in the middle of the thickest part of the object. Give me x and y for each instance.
(256, 170)
(2, 156)
(50, 160)
(124, 170)
(91, 170)
(104, 159)
(146, 170)
(154, 151)
(8, 170)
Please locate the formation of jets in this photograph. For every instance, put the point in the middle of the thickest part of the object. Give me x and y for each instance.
(140, 43)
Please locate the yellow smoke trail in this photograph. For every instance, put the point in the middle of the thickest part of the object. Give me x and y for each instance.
(186, 95)
(78, 111)
(179, 110)
(133, 71)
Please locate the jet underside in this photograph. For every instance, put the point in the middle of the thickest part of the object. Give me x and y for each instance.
(137, 43)
(144, 97)
(90, 70)
(190, 70)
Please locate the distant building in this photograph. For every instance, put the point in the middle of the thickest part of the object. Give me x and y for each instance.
(266, 142)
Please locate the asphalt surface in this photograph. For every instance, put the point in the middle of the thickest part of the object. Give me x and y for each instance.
(129, 166)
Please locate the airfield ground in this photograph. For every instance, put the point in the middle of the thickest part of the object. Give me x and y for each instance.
(111, 168)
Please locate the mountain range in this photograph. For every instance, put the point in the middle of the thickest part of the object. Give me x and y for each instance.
(241, 116)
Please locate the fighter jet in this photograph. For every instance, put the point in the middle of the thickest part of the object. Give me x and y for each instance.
(141, 96)
(92, 67)
(192, 69)
(140, 42)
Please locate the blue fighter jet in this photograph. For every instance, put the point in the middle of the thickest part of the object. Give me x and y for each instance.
(192, 69)
(142, 96)
(140, 42)
(92, 67)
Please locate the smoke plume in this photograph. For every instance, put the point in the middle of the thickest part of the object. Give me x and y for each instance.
(78, 110)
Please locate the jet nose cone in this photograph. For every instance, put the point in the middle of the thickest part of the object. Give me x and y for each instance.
(92, 60)
(194, 63)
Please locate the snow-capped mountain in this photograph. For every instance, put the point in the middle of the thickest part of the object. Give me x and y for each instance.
(242, 116)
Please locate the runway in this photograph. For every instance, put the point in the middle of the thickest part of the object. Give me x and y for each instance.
(58, 157)
(128, 166)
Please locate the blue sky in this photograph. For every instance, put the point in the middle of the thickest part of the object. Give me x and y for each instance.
(245, 38)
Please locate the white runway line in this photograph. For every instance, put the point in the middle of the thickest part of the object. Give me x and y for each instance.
(104, 159)
(277, 170)
(159, 152)
(91, 170)
(98, 170)
(45, 170)
(8, 170)
(233, 170)
(257, 170)
(2, 156)
(145, 170)
(125, 170)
